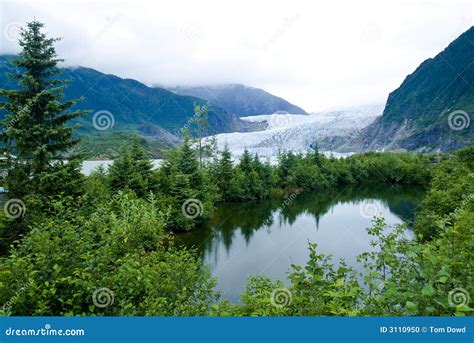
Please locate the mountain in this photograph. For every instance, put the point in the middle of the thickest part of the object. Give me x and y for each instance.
(240, 100)
(155, 113)
(299, 133)
(433, 108)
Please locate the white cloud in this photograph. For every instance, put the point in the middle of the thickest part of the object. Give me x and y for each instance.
(316, 54)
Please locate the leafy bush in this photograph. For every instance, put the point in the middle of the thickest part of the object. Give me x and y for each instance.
(63, 260)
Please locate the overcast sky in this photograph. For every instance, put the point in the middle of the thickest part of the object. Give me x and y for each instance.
(316, 54)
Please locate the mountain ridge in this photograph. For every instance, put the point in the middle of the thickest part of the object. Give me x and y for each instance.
(424, 113)
(158, 115)
(240, 99)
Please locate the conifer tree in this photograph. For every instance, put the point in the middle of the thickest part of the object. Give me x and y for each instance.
(36, 137)
(142, 167)
(225, 173)
(140, 157)
(201, 118)
(121, 170)
(132, 170)
(246, 162)
(188, 164)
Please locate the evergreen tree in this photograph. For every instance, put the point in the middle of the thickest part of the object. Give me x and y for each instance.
(237, 185)
(255, 186)
(246, 162)
(132, 170)
(225, 173)
(121, 170)
(183, 181)
(187, 163)
(264, 171)
(315, 155)
(208, 147)
(286, 164)
(142, 166)
(35, 134)
(181, 191)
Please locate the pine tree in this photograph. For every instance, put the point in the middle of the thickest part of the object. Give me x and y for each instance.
(225, 173)
(121, 170)
(35, 134)
(188, 164)
(246, 162)
(315, 155)
(142, 167)
(286, 164)
(255, 186)
(132, 170)
(201, 119)
(264, 172)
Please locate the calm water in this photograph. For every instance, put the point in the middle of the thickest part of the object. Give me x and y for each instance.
(90, 165)
(265, 237)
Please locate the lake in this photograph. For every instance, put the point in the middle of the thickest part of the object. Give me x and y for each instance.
(90, 165)
(266, 237)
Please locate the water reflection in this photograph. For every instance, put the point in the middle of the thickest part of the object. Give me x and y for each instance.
(268, 236)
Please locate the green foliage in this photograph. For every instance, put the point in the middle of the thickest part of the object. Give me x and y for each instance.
(390, 168)
(423, 105)
(224, 174)
(430, 276)
(119, 241)
(132, 170)
(103, 145)
(409, 278)
(452, 182)
(319, 288)
(35, 135)
(402, 277)
(109, 231)
(250, 180)
(181, 181)
(64, 259)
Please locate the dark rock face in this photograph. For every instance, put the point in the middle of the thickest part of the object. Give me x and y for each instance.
(433, 109)
(241, 100)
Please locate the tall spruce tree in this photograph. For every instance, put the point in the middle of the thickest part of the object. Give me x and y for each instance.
(245, 162)
(121, 171)
(201, 118)
(132, 170)
(225, 173)
(188, 164)
(35, 134)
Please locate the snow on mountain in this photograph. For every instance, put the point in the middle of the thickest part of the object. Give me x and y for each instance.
(284, 131)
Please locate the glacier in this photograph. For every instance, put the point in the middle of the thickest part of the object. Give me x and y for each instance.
(298, 133)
